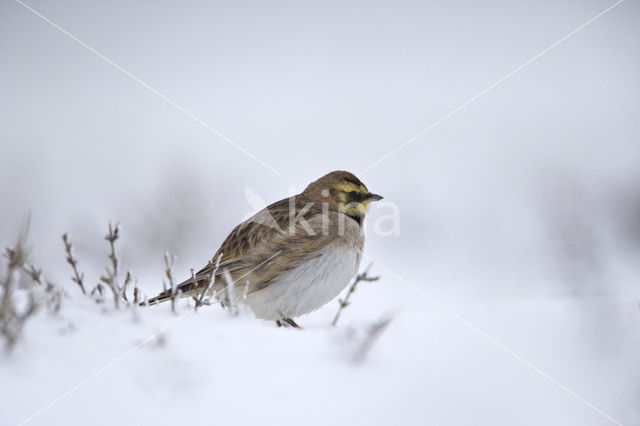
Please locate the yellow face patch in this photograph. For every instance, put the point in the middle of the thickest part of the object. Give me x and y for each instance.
(350, 186)
(355, 208)
(346, 203)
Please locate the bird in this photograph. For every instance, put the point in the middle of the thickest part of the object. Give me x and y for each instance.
(290, 258)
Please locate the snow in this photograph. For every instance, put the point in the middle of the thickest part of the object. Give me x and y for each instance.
(93, 364)
(510, 278)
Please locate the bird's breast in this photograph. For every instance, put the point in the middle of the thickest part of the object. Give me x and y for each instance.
(312, 284)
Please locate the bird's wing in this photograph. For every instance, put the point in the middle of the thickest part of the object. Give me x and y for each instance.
(284, 251)
(254, 241)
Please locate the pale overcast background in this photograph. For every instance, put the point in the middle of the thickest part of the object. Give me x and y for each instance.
(531, 191)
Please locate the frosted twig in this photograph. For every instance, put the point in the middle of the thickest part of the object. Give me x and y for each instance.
(111, 279)
(175, 292)
(169, 260)
(211, 282)
(77, 278)
(127, 280)
(11, 318)
(345, 302)
(97, 289)
(54, 293)
(136, 295)
(111, 237)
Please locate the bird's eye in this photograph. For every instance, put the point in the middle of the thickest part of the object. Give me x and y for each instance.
(355, 196)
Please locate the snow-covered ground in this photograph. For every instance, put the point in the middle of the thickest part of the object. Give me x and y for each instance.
(547, 361)
(507, 151)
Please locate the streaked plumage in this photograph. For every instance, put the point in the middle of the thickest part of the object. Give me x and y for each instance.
(293, 256)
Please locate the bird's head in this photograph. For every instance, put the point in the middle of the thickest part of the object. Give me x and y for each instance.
(343, 192)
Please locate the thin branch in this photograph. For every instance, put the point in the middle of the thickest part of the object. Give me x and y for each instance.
(176, 293)
(345, 302)
(175, 296)
(111, 237)
(53, 292)
(111, 279)
(77, 278)
(212, 280)
(34, 273)
(169, 260)
(136, 295)
(11, 319)
(97, 289)
(127, 280)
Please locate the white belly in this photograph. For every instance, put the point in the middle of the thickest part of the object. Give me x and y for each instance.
(308, 287)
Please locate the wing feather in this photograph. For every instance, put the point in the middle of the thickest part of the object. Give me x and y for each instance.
(264, 246)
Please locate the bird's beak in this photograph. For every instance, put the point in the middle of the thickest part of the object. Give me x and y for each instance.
(373, 197)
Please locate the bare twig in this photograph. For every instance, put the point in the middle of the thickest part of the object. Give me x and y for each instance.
(54, 300)
(345, 302)
(127, 280)
(212, 280)
(136, 295)
(111, 237)
(77, 278)
(53, 292)
(111, 278)
(175, 296)
(177, 293)
(34, 273)
(97, 289)
(169, 260)
(12, 320)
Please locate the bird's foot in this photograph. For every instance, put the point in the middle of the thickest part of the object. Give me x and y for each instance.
(289, 321)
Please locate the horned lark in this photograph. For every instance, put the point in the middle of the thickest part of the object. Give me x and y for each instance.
(293, 256)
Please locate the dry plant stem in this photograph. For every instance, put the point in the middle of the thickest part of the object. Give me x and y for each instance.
(175, 297)
(77, 277)
(34, 273)
(97, 289)
(111, 237)
(169, 260)
(11, 320)
(127, 280)
(111, 279)
(212, 280)
(176, 294)
(54, 294)
(345, 302)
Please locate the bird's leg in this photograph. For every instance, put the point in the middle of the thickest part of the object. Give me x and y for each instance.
(291, 322)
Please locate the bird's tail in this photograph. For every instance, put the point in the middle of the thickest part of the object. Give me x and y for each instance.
(187, 288)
